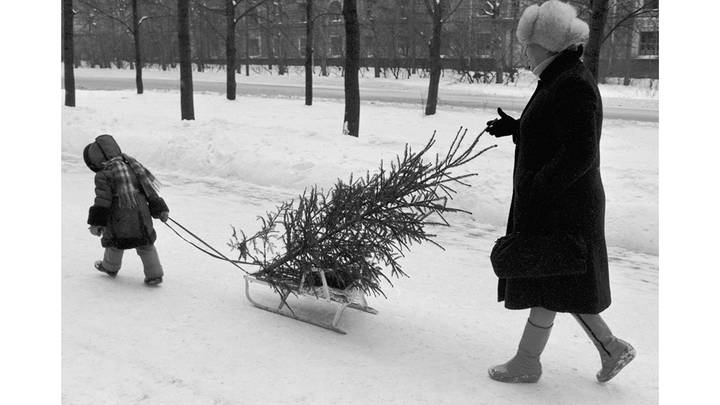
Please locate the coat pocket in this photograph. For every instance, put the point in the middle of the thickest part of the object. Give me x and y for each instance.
(534, 255)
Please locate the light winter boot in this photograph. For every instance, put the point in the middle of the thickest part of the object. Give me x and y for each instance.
(615, 353)
(525, 366)
(99, 267)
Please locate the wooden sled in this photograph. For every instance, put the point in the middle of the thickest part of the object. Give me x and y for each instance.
(341, 299)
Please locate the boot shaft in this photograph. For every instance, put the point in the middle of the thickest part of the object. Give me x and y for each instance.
(533, 340)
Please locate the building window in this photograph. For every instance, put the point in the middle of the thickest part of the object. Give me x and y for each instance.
(648, 44)
(336, 46)
(367, 44)
(254, 47)
(651, 4)
(484, 45)
(335, 11)
(252, 18)
(302, 11)
(301, 46)
(403, 46)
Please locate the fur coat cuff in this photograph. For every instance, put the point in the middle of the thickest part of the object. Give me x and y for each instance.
(98, 216)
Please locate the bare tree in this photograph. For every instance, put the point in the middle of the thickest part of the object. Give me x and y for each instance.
(598, 17)
(68, 52)
(309, 23)
(351, 124)
(439, 11)
(136, 42)
(131, 21)
(187, 109)
(435, 9)
(493, 9)
(230, 48)
(231, 21)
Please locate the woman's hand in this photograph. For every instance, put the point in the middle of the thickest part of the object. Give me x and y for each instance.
(503, 126)
(164, 216)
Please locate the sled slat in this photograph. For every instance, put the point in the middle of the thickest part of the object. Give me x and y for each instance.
(339, 298)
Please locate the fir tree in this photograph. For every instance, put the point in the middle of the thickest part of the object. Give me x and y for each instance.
(361, 228)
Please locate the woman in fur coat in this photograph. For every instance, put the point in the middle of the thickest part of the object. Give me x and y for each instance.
(126, 199)
(557, 188)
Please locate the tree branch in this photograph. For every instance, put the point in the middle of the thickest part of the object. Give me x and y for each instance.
(635, 13)
(457, 5)
(428, 6)
(153, 17)
(249, 9)
(325, 15)
(108, 15)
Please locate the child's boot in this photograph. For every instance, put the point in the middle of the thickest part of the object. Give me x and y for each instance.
(153, 280)
(151, 264)
(615, 353)
(99, 267)
(525, 366)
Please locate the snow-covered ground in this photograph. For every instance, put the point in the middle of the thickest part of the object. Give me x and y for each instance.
(196, 339)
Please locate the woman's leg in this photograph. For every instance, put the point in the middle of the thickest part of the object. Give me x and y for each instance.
(151, 262)
(614, 353)
(541, 317)
(525, 366)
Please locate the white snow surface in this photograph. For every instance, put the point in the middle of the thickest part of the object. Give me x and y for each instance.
(197, 340)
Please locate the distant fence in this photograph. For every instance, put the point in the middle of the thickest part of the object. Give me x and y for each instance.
(468, 64)
(635, 68)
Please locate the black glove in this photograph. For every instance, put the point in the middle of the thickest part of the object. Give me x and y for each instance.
(503, 126)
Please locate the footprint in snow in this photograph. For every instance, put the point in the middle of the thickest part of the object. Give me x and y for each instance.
(303, 166)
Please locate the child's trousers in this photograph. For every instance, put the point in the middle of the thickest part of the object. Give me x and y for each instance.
(112, 260)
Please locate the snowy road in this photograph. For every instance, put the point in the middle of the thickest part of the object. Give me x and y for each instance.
(613, 109)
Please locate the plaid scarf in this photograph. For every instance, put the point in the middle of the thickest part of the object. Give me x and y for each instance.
(121, 167)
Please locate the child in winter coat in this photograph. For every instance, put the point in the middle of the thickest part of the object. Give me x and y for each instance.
(125, 200)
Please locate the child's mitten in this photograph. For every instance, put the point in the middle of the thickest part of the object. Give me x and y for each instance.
(96, 230)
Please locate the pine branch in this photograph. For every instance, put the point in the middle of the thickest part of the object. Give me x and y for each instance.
(358, 228)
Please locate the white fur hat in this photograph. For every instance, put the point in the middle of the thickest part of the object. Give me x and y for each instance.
(553, 25)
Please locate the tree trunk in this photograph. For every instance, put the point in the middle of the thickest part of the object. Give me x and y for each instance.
(230, 49)
(136, 39)
(599, 11)
(269, 40)
(413, 36)
(628, 56)
(611, 58)
(282, 63)
(186, 84)
(351, 124)
(435, 66)
(511, 64)
(308, 51)
(247, 46)
(68, 52)
(323, 50)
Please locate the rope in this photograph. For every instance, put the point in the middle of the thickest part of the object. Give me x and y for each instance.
(218, 254)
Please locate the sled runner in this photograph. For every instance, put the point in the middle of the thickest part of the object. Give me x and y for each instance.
(341, 299)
